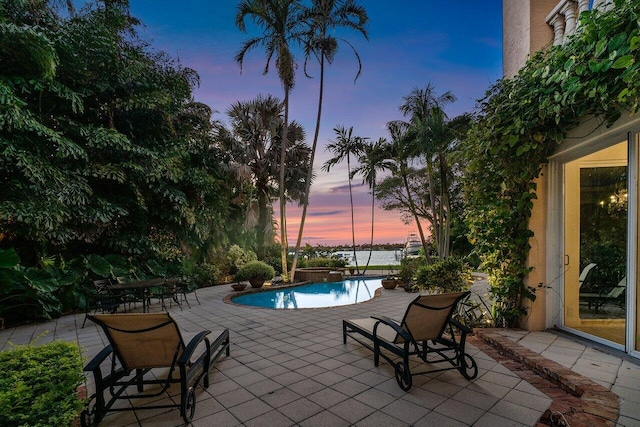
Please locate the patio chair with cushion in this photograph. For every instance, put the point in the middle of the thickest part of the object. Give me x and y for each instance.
(141, 348)
(427, 330)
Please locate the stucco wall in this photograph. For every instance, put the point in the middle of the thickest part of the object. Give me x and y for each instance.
(515, 35)
(536, 316)
(524, 31)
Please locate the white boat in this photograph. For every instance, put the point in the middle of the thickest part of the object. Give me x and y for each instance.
(412, 246)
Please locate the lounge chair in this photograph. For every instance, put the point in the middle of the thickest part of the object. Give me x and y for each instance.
(604, 296)
(138, 344)
(585, 276)
(428, 318)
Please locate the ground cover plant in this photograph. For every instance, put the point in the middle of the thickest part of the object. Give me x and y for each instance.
(27, 397)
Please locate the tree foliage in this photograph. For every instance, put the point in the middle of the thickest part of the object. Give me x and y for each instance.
(253, 144)
(102, 151)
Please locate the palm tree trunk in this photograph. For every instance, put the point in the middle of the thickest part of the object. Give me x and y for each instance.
(412, 207)
(310, 171)
(444, 206)
(373, 210)
(264, 219)
(353, 224)
(435, 215)
(283, 201)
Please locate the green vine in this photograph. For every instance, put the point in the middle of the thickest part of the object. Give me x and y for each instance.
(522, 121)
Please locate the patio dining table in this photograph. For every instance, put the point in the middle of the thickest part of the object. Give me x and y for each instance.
(143, 287)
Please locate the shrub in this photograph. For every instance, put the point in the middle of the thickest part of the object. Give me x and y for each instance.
(272, 256)
(38, 385)
(238, 257)
(325, 262)
(255, 270)
(409, 267)
(207, 275)
(448, 275)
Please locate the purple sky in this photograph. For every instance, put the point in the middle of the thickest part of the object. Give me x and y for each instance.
(455, 45)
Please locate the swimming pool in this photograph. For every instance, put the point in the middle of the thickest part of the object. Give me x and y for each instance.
(313, 295)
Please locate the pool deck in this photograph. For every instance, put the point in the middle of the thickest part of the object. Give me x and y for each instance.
(290, 367)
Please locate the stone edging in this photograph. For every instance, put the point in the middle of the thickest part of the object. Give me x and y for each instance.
(580, 400)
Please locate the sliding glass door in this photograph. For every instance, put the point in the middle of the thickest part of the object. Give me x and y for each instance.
(596, 199)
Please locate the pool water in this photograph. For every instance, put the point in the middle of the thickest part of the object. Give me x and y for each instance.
(313, 295)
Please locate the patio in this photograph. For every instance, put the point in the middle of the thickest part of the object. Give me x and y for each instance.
(289, 367)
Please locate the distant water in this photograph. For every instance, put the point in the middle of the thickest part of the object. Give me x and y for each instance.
(377, 257)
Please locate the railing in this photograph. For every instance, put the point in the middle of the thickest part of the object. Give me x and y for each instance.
(564, 17)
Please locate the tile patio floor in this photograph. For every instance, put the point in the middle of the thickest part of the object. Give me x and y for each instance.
(289, 367)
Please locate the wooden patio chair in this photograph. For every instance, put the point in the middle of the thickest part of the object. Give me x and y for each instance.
(140, 344)
(427, 330)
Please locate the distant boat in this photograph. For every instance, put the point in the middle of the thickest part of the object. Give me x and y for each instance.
(412, 246)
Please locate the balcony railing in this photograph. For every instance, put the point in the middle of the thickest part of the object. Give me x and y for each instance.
(564, 17)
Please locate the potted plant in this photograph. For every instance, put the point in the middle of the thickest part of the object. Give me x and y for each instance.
(239, 286)
(256, 272)
(390, 282)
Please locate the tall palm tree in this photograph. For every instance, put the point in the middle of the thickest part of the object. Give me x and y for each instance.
(322, 17)
(343, 147)
(420, 106)
(401, 153)
(281, 25)
(438, 135)
(253, 144)
(372, 159)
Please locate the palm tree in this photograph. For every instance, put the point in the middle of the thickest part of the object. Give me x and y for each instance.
(438, 136)
(372, 159)
(281, 24)
(400, 152)
(320, 18)
(420, 106)
(253, 144)
(346, 145)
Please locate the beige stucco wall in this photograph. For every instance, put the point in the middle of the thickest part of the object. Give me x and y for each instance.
(536, 316)
(524, 31)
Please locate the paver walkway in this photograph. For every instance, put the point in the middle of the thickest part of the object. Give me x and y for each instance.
(289, 367)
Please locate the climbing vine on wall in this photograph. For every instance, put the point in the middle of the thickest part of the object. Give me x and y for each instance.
(596, 73)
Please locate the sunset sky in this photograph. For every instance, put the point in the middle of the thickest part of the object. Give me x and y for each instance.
(454, 45)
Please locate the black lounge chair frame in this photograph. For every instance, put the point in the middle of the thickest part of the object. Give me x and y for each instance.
(122, 376)
(445, 348)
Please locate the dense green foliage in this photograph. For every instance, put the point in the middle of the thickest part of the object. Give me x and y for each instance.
(255, 270)
(442, 276)
(104, 155)
(596, 73)
(38, 385)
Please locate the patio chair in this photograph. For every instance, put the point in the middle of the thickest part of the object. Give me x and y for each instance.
(100, 298)
(428, 319)
(585, 276)
(615, 294)
(139, 343)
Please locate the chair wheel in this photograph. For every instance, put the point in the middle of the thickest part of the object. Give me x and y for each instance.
(189, 405)
(468, 367)
(403, 376)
